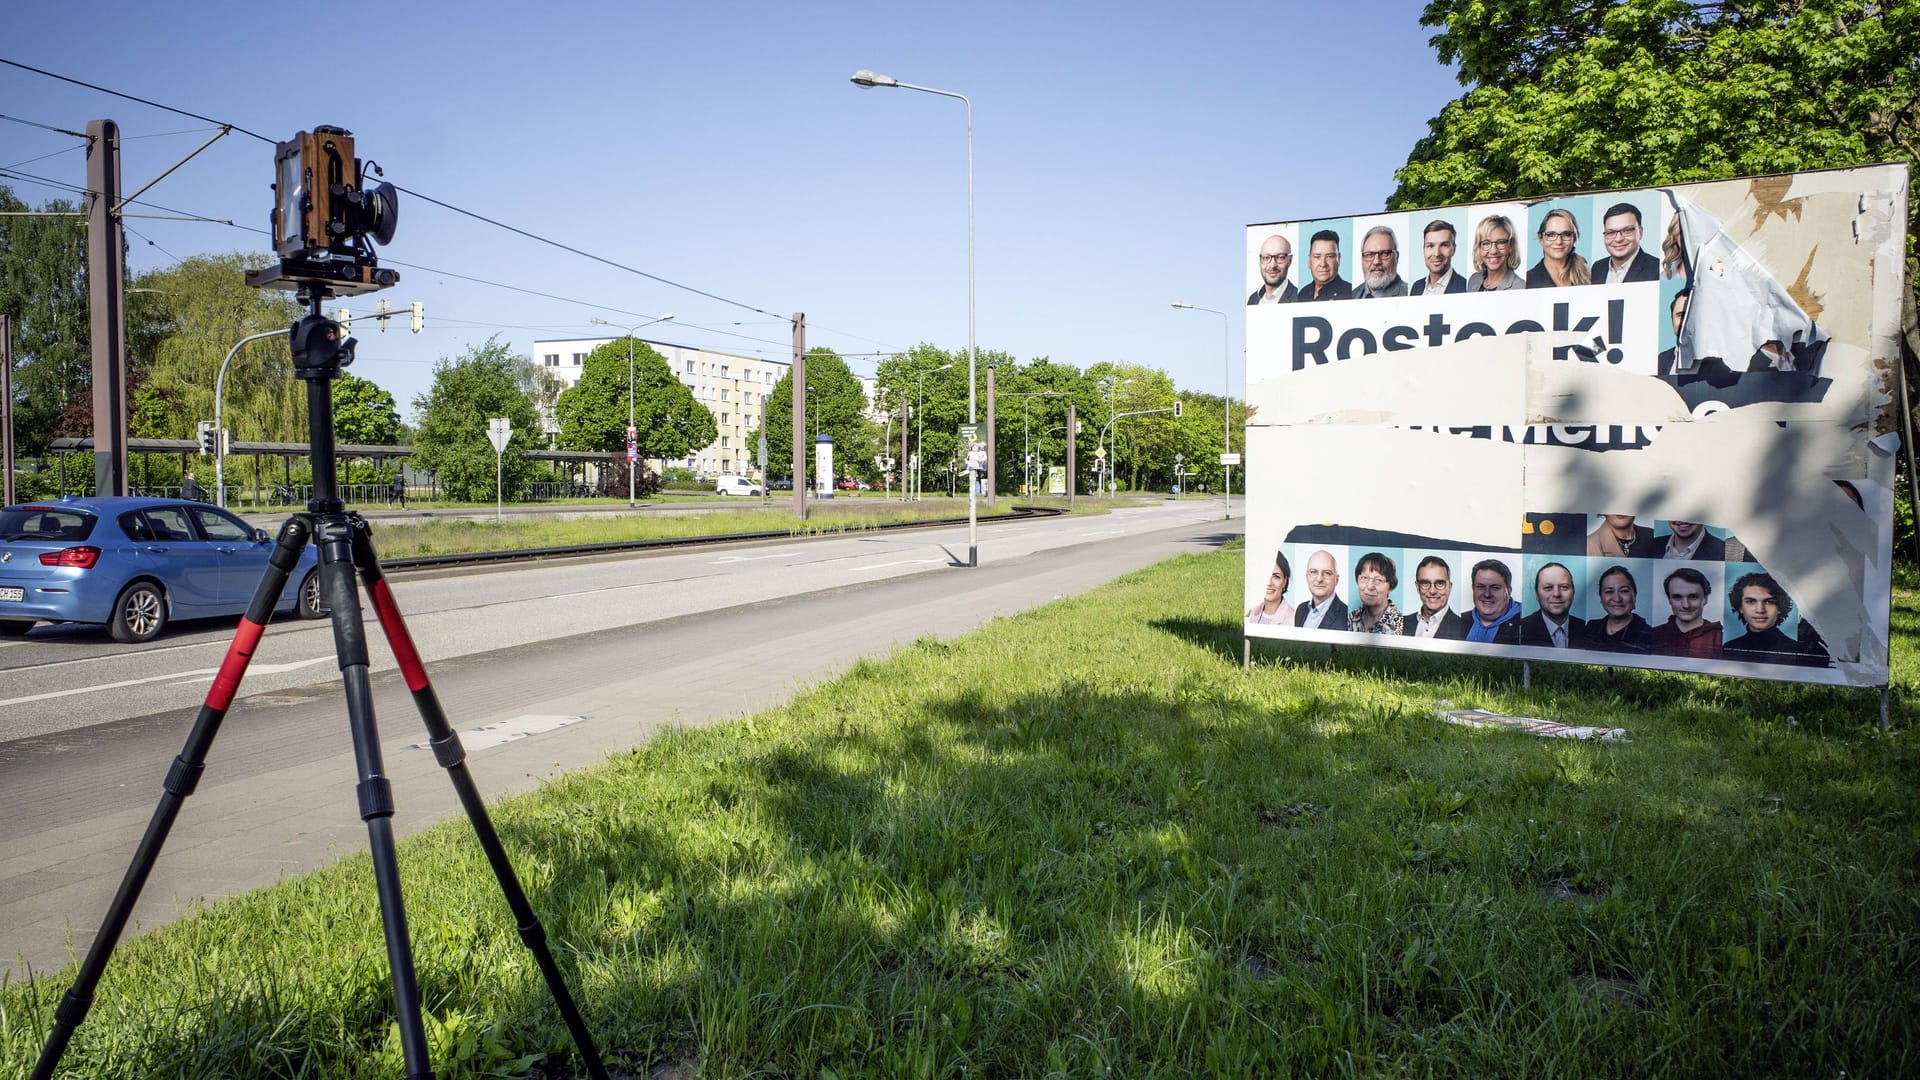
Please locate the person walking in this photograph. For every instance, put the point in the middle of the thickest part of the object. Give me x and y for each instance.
(398, 491)
(190, 490)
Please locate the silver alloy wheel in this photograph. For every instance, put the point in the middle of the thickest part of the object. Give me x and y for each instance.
(140, 613)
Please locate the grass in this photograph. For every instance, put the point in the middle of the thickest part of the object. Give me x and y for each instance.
(523, 531)
(1081, 842)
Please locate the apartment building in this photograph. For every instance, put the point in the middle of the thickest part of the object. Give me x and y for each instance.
(733, 388)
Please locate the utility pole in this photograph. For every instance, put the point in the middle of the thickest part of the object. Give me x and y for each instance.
(1073, 435)
(799, 414)
(106, 308)
(993, 456)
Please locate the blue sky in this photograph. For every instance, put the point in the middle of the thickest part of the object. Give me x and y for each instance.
(1119, 151)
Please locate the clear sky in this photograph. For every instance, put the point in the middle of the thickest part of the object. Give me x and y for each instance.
(1119, 150)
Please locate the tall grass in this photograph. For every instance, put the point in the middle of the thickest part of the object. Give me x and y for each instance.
(1082, 842)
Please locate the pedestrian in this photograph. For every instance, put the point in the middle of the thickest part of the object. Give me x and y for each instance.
(398, 492)
(190, 489)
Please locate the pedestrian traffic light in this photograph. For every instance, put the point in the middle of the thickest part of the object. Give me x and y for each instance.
(207, 436)
(419, 317)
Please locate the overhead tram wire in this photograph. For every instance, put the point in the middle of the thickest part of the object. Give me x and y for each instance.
(81, 135)
(427, 198)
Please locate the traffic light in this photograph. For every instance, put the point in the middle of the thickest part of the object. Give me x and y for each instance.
(207, 437)
(1176, 408)
(382, 309)
(419, 317)
(345, 319)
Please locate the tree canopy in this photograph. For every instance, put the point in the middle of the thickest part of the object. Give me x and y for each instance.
(204, 308)
(364, 413)
(836, 405)
(43, 291)
(452, 441)
(593, 412)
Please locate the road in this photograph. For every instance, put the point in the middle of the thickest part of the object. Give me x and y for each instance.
(543, 667)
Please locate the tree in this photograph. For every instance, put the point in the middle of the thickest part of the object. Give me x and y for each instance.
(836, 405)
(204, 308)
(593, 412)
(933, 384)
(452, 439)
(363, 413)
(43, 292)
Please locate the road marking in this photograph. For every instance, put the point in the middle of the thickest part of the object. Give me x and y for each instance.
(1102, 532)
(723, 560)
(180, 676)
(487, 736)
(898, 562)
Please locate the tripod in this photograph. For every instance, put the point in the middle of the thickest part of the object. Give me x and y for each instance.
(345, 546)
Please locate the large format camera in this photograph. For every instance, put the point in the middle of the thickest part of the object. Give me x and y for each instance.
(326, 219)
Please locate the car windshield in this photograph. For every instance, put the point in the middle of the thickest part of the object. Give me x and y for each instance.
(44, 523)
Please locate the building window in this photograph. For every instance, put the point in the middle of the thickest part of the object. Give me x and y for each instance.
(726, 464)
(723, 371)
(579, 359)
(724, 417)
(725, 443)
(723, 394)
(689, 367)
(552, 359)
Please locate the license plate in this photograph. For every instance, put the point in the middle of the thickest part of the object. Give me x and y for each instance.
(8, 592)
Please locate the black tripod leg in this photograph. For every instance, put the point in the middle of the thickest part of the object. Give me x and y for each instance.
(452, 757)
(181, 780)
(333, 532)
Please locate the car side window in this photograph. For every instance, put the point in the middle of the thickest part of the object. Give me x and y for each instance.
(134, 524)
(170, 523)
(221, 527)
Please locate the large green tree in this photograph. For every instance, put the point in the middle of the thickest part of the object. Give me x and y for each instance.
(593, 412)
(836, 405)
(206, 308)
(43, 291)
(364, 413)
(451, 441)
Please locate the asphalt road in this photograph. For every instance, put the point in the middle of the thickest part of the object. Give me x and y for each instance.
(543, 667)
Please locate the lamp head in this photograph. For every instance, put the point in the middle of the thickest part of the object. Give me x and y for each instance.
(867, 80)
(1182, 304)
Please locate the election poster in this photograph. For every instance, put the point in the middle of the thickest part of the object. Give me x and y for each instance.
(1652, 428)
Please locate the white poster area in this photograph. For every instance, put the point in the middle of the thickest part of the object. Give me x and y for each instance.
(1691, 473)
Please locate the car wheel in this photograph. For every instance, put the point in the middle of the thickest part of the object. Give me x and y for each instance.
(15, 627)
(309, 605)
(140, 613)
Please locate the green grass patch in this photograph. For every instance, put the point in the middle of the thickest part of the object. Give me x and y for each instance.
(525, 531)
(1083, 842)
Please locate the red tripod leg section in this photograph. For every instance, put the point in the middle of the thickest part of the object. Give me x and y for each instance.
(395, 628)
(234, 667)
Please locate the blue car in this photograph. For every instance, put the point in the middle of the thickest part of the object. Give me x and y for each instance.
(135, 564)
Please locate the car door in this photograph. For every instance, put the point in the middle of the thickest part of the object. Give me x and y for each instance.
(187, 565)
(240, 558)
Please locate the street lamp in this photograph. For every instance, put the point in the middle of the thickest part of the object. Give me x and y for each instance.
(920, 420)
(219, 440)
(1113, 383)
(632, 432)
(868, 80)
(1226, 370)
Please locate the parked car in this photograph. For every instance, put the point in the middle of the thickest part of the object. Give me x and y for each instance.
(737, 485)
(135, 564)
(847, 483)
(784, 483)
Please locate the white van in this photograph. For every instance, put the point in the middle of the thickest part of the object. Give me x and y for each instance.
(737, 485)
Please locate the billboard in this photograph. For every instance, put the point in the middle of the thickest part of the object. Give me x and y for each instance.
(1651, 428)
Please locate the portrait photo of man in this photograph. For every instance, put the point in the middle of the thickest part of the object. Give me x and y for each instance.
(1437, 247)
(1433, 583)
(1687, 631)
(1553, 624)
(1276, 270)
(1691, 540)
(1763, 607)
(1323, 270)
(1620, 233)
(1496, 614)
(1379, 265)
(1323, 609)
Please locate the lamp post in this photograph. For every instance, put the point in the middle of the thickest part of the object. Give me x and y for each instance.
(632, 432)
(920, 422)
(1226, 370)
(1113, 383)
(867, 80)
(219, 441)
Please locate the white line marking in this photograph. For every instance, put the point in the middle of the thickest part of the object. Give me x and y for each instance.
(184, 676)
(897, 562)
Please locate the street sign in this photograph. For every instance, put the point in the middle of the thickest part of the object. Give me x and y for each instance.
(969, 433)
(499, 432)
(633, 450)
(1229, 459)
(632, 432)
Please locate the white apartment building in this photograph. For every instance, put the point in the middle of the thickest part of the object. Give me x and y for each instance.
(733, 388)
